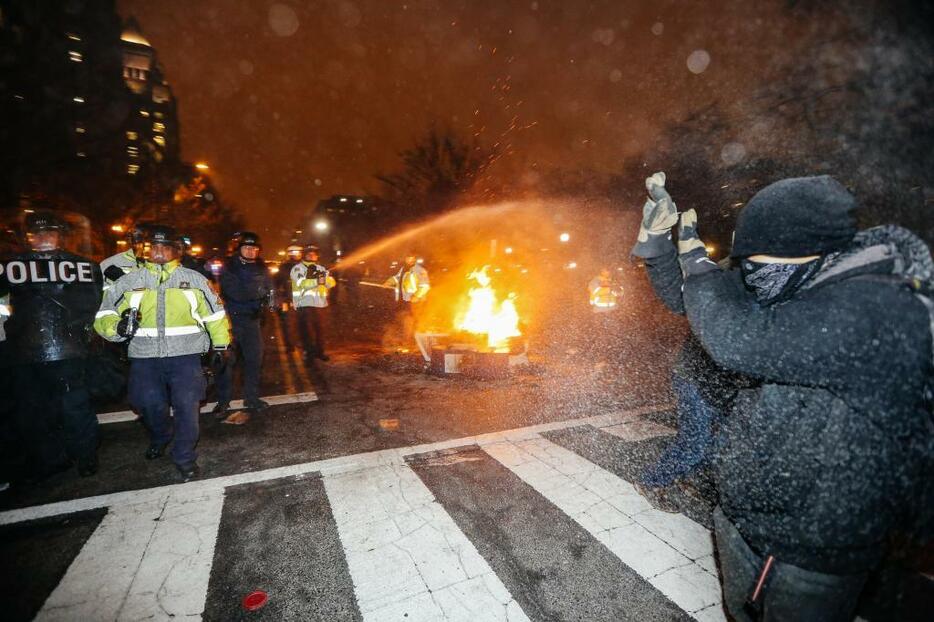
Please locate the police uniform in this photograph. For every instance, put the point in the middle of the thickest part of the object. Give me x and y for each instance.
(49, 299)
(311, 283)
(118, 265)
(411, 285)
(178, 318)
(246, 287)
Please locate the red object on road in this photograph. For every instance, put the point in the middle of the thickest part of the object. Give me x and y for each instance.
(255, 600)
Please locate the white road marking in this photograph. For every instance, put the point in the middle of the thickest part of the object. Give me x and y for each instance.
(407, 555)
(150, 560)
(202, 487)
(273, 400)
(659, 546)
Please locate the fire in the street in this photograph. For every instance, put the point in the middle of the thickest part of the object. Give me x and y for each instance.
(486, 315)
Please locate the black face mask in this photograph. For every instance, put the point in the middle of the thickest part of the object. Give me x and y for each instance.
(776, 282)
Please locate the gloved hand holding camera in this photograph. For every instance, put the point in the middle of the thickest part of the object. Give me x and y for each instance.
(129, 323)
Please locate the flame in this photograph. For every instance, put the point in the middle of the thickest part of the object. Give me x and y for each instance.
(485, 315)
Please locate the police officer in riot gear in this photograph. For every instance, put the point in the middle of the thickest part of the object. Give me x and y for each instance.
(247, 289)
(52, 296)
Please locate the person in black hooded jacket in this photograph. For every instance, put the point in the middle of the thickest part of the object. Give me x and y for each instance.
(825, 459)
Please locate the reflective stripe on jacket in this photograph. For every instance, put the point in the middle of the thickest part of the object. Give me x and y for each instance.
(181, 314)
(310, 285)
(411, 285)
(603, 296)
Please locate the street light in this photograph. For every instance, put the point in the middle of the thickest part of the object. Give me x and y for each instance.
(117, 228)
(564, 237)
(321, 225)
(202, 166)
(508, 250)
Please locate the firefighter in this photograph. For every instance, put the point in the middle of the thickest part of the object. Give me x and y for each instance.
(51, 296)
(171, 316)
(604, 293)
(311, 283)
(247, 289)
(411, 285)
(117, 265)
(283, 284)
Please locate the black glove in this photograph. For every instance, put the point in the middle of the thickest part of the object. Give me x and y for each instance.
(129, 323)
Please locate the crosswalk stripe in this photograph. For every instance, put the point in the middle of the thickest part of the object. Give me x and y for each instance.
(407, 557)
(341, 463)
(671, 551)
(553, 566)
(272, 400)
(279, 537)
(150, 560)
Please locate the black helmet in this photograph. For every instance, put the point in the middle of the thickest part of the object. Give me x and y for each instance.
(248, 238)
(137, 234)
(162, 234)
(44, 221)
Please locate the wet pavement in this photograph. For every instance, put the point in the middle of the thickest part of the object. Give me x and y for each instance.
(509, 499)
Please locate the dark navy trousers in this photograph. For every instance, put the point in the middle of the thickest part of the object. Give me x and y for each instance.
(176, 381)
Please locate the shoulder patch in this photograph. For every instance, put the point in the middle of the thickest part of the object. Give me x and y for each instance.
(185, 285)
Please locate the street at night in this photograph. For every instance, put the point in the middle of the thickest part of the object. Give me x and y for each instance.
(466, 310)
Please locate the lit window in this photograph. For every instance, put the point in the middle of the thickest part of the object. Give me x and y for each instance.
(359, 200)
(132, 169)
(75, 56)
(73, 36)
(80, 129)
(159, 140)
(158, 114)
(78, 99)
(81, 154)
(343, 199)
(132, 135)
(144, 113)
(158, 126)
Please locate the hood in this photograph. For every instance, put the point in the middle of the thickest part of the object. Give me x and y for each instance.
(796, 217)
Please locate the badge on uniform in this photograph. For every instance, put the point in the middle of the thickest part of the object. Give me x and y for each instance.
(185, 285)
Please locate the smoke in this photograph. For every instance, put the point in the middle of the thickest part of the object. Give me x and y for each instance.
(520, 241)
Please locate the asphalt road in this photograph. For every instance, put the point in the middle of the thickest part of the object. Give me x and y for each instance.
(488, 500)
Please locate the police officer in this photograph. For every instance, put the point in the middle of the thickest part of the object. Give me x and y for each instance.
(246, 288)
(187, 260)
(283, 283)
(411, 285)
(117, 265)
(51, 297)
(310, 285)
(171, 316)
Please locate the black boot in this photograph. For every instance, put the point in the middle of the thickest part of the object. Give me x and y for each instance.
(155, 451)
(189, 472)
(87, 466)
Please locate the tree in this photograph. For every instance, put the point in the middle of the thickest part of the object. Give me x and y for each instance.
(438, 170)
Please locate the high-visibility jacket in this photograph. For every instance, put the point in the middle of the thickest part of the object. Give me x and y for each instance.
(310, 285)
(411, 284)
(4, 314)
(126, 261)
(181, 314)
(604, 296)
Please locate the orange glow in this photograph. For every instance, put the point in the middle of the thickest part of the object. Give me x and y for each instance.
(117, 228)
(486, 315)
(201, 166)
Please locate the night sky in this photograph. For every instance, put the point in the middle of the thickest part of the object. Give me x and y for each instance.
(291, 102)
